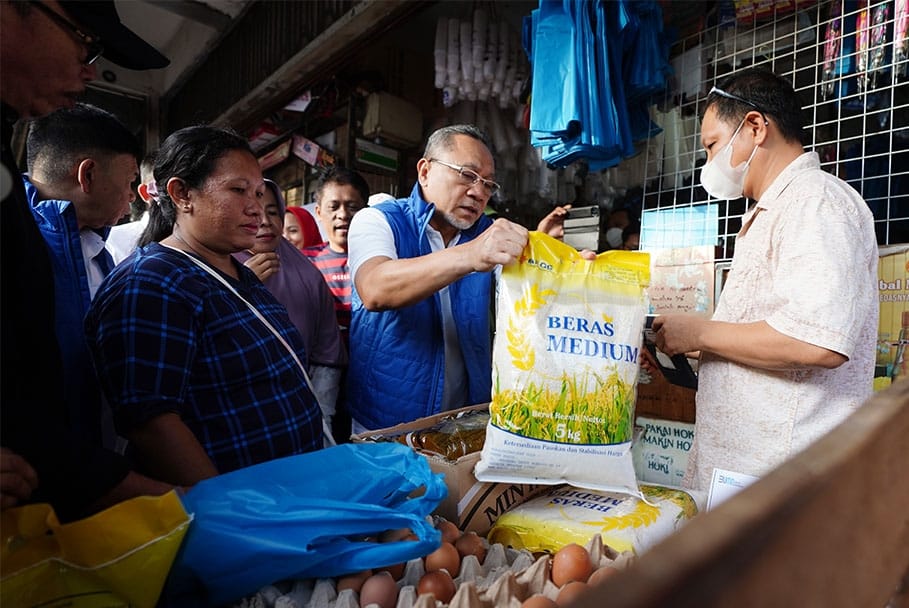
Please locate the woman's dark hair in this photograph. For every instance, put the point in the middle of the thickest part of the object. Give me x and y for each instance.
(765, 92)
(190, 154)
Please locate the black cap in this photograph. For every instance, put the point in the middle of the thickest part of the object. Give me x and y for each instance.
(121, 45)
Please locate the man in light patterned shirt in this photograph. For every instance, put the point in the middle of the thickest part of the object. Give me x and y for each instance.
(789, 352)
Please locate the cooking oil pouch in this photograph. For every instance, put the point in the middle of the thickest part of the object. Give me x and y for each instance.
(118, 557)
(565, 368)
(573, 515)
(313, 515)
(451, 438)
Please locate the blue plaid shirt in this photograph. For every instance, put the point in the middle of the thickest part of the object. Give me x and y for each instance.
(167, 337)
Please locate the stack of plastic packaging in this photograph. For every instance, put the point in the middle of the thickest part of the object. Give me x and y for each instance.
(595, 66)
(478, 60)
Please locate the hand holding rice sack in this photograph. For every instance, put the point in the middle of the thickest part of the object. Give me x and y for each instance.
(565, 365)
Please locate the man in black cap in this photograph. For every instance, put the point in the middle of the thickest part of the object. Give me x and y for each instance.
(47, 50)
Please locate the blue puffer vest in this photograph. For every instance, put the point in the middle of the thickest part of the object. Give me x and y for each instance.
(56, 220)
(397, 357)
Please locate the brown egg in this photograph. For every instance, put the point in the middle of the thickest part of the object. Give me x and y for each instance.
(470, 543)
(538, 601)
(450, 532)
(392, 535)
(439, 584)
(352, 581)
(379, 589)
(446, 556)
(601, 574)
(571, 563)
(570, 592)
(395, 570)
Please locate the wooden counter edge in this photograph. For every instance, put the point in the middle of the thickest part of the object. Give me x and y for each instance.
(828, 528)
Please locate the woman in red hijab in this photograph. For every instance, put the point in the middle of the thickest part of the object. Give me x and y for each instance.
(300, 228)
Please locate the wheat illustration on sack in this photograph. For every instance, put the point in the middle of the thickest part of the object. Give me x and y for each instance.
(568, 334)
(518, 346)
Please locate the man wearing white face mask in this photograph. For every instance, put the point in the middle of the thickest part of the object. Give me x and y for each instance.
(788, 353)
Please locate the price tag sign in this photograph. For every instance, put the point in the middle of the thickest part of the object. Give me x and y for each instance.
(726, 483)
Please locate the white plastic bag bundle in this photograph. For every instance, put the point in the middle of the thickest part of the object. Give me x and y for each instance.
(454, 50)
(466, 51)
(440, 52)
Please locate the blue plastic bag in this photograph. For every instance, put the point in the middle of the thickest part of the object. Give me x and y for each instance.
(302, 517)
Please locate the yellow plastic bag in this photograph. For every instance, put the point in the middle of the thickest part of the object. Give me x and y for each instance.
(118, 557)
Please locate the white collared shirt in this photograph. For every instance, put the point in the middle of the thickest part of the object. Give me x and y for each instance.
(92, 244)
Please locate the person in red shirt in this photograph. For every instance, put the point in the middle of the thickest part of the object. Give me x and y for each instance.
(339, 195)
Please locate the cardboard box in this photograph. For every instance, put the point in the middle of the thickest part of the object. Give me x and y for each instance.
(472, 505)
(392, 118)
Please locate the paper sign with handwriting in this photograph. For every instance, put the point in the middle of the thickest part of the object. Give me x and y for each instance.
(682, 280)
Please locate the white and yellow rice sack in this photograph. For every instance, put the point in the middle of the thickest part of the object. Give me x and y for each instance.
(565, 367)
(573, 515)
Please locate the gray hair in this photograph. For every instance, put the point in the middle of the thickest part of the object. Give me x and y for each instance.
(442, 139)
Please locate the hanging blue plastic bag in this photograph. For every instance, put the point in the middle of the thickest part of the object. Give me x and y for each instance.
(554, 90)
(305, 516)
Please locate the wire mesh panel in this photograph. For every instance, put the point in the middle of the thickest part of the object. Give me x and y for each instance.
(847, 60)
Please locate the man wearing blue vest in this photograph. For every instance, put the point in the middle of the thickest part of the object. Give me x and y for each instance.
(422, 273)
(82, 162)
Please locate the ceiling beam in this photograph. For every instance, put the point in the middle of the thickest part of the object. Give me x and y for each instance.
(199, 12)
(309, 64)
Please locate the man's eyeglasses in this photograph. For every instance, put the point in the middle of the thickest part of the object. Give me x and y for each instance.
(91, 42)
(721, 93)
(470, 176)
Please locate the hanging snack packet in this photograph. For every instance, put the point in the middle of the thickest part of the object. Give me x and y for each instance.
(565, 366)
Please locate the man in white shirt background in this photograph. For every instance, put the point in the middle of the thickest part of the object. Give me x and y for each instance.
(123, 238)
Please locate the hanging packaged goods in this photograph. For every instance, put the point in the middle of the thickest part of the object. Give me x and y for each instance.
(478, 59)
(595, 69)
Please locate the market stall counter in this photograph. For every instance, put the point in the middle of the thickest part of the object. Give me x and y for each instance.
(829, 528)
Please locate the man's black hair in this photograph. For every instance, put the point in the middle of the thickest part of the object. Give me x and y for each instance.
(765, 92)
(344, 177)
(64, 138)
(190, 154)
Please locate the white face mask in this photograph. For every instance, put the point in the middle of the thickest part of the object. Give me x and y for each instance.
(719, 178)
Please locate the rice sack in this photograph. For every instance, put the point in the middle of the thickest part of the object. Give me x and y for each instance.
(572, 515)
(565, 367)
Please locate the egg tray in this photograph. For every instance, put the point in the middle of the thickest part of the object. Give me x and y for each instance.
(506, 578)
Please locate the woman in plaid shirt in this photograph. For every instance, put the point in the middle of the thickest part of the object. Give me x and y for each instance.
(199, 362)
